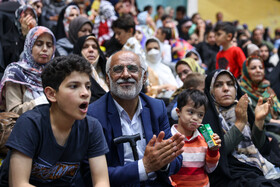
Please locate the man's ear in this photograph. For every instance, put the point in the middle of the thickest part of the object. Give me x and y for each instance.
(50, 94)
(145, 77)
(107, 80)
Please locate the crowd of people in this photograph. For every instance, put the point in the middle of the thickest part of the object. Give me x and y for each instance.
(109, 95)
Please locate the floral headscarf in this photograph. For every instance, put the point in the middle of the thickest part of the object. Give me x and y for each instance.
(256, 90)
(27, 72)
(66, 22)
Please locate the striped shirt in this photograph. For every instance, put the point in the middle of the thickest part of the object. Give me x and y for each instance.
(198, 160)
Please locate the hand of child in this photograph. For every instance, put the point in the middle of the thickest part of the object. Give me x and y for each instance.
(218, 142)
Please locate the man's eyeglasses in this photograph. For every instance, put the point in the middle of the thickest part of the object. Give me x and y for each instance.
(130, 68)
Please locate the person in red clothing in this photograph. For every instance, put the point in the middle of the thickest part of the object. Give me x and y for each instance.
(198, 158)
(230, 57)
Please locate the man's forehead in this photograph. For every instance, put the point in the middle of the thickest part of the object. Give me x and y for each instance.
(125, 58)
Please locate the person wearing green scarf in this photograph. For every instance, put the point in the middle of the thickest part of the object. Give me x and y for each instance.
(254, 84)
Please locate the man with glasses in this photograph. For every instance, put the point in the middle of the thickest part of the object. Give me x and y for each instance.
(126, 111)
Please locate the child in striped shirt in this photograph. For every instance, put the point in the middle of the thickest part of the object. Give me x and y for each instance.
(198, 159)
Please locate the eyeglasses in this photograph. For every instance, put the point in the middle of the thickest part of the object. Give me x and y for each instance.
(118, 69)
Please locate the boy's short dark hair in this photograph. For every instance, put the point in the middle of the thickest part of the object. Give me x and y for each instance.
(61, 67)
(193, 80)
(125, 22)
(181, 9)
(198, 97)
(167, 31)
(227, 27)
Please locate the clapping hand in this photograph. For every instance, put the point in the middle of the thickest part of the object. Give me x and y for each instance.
(261, 111)
(159, 152)
(241, 112)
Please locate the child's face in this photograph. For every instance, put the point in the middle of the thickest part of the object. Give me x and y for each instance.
(190, 118)
(138, 35)
(73, 96)
(122, 36)
(222, 37)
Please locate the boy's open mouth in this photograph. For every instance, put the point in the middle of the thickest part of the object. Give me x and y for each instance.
(83, 105)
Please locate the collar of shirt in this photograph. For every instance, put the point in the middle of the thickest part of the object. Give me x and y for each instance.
(196, 133)
(131, 127)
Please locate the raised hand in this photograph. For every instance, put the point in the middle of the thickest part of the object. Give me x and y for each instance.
(241, 112)
(261, 111)
(159, 152)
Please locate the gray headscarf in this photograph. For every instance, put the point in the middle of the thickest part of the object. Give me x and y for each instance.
(75, 26)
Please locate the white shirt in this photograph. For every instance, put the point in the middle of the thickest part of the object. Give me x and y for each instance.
(131, 127)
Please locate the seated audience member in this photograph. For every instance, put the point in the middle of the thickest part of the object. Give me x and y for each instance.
(127, 111)
(167, 83)
(163, 34)
(193, 80)
(140, 36)
(80, 26)
(254, 84)
(88, 47)
(245, 146)
(54, 139)
(14, 33)
(183, 68)
(37, 5)
(265, 55)
(257, 38)
(50, 12)
(70, 12)
(230, 57)
(186, 25)
(191, 108)
(208, 51)
(21, 86)
(253, 50)
(124, 28)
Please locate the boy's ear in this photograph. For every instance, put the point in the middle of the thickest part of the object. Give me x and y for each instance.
(229, 36)
(178, 112)
(50, 94)
(130, 31)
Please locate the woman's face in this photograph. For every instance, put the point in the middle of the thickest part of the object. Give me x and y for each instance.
(42, 50)
(256, 70)
(183, 70)
(73, 14)
(224, 90)
(90, 51)
(264, 53)
(86, 29)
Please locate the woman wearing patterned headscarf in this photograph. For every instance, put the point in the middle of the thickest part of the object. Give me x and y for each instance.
(78, 27)
(246, 152)
(21, 86)
(254, 84)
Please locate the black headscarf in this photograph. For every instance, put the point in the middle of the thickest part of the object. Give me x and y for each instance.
(96, 90)
(78, 46)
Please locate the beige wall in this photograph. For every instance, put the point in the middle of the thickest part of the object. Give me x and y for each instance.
(252, 12)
